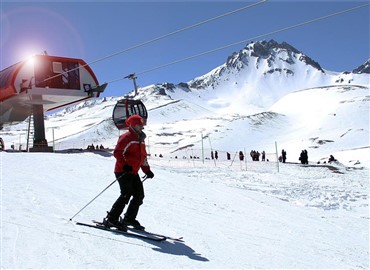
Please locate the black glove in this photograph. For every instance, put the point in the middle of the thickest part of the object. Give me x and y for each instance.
(127, 168)
(149, 174)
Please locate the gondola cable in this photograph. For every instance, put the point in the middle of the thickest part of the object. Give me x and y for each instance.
(178, 31)
(165, 36)
(244, 41)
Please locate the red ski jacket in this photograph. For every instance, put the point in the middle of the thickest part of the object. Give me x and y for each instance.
(129, 150)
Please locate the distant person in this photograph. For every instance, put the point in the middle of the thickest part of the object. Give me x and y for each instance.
(131, 156)
(216, 155)
(228, 156)
(212, 157)
(305, 156)
(2, 145)
(332, 159)
(253, 154)
(283, 155)
(241, 156)
(263, 156)
(258, 156)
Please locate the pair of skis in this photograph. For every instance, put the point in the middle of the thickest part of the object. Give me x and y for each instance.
(132, 232)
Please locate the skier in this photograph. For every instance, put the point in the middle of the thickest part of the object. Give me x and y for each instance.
(130, 154)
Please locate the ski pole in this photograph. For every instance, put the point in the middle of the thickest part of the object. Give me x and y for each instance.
(96, 197)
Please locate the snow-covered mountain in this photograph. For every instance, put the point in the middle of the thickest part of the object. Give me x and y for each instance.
(253, 79)
(364, 68)
(266, 93)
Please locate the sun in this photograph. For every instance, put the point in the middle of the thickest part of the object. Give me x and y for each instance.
(30, 60)
(29, 54)
(26, 50)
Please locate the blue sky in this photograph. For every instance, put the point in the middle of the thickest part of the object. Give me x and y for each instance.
(93, 30)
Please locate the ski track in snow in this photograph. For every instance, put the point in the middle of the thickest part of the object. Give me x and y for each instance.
(295, 186)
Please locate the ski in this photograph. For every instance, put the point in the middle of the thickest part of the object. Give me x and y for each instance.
(129, 234)
(178, 239)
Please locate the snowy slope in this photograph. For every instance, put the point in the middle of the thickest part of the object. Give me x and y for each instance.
(327, 118)
(302, 217)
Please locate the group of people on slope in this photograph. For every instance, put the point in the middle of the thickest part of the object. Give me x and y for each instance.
(304, 157)
(255, 155)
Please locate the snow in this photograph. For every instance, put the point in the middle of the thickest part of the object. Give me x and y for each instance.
(239, 215)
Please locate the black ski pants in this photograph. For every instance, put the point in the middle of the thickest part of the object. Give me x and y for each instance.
(130, 186)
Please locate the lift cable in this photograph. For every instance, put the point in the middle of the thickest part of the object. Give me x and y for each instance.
(164, 36)
(246, 40)
(178, 31)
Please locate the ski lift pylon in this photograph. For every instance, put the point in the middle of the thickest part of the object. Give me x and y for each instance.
(126, 108)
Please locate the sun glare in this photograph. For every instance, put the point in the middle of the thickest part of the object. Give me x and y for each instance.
(28, 54)
(31, 60)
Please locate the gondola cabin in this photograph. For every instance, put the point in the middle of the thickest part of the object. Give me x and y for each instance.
(41, 84)
(125, 108)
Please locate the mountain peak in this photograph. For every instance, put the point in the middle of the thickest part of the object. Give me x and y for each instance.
(263, 60)
(364, 68)
(272, 52)
(264, 48)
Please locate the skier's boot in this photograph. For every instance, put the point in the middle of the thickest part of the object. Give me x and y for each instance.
(111, 222)
(134, 223)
